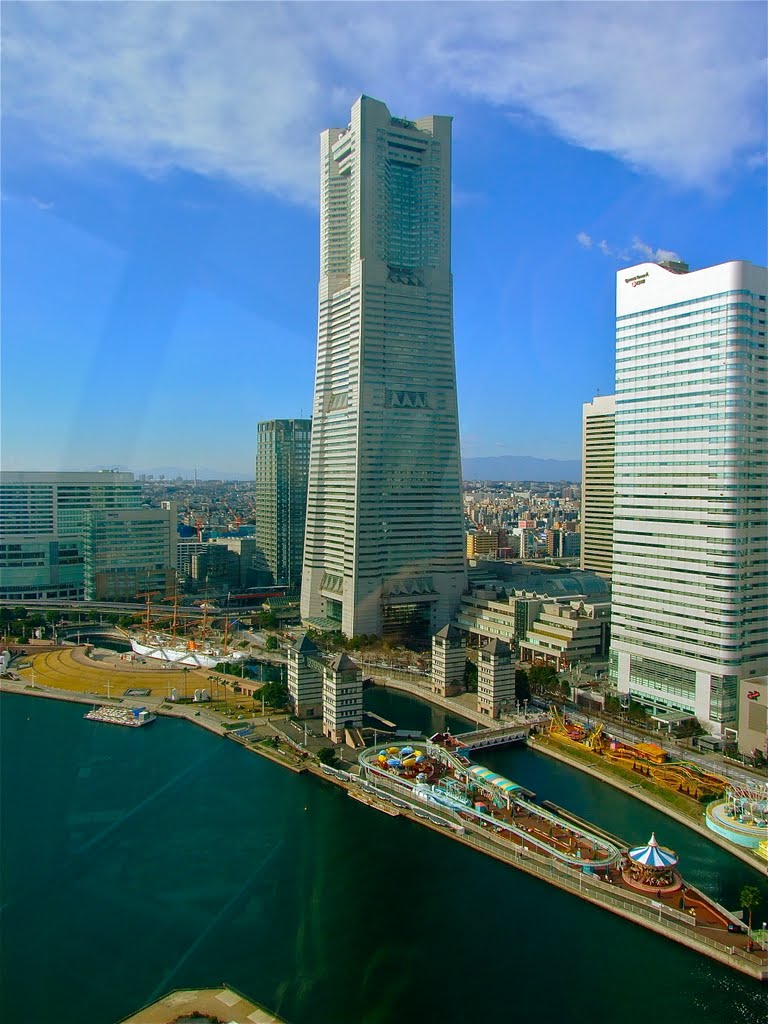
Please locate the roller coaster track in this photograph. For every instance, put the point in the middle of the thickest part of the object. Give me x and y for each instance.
(685, 775)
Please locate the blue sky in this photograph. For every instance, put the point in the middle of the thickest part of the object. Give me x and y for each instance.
(160, 223)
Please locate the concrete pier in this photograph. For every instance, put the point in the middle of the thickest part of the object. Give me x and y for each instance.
(216, 1003)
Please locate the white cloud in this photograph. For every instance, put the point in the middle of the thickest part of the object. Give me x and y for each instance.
(241, 90)
(630, 252)
(651, 254)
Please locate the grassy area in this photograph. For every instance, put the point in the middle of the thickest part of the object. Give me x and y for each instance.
(681, 803)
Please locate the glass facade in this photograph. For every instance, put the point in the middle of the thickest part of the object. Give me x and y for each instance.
(42, 523)
(690, 531)
(282, 467)
(129, 552)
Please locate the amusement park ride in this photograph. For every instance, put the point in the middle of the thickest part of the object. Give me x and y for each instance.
(647, 759)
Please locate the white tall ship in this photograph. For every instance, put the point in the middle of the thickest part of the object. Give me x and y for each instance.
(164, 647)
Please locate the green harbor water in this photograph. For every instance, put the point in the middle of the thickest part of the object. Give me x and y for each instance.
(138, 861)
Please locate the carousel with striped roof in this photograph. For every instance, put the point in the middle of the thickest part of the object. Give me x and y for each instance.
(651, 869)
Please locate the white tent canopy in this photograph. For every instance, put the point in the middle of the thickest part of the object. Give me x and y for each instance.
(653, 855)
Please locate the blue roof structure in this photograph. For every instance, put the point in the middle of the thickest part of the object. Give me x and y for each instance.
(652, 855)
(491, 777)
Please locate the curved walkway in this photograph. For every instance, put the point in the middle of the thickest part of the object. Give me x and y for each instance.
(748, 857)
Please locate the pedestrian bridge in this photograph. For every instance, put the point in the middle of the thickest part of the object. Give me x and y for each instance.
(495, 737)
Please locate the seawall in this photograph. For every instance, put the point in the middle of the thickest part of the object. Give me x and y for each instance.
(537, 744)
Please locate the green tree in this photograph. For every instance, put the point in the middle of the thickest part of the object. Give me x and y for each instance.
(327, 755)
(637, 712)
(20, 612)
(272, 644)
(543, 678)
(750, 899)
(565, 688)
(522, 686)
(275, 694)
(470, 676)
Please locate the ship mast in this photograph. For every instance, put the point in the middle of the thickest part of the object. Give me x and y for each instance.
(149, 594)
(205, 619)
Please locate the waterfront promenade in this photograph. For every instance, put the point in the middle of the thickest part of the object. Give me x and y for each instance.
(693, 820)
(652, 915)
(692, 817)
(705, 931)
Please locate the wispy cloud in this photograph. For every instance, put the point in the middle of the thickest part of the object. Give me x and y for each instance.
(651, 254)
(636, 248)
(240, 90)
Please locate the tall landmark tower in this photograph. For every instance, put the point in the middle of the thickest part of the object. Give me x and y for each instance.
(690, 529)
(384, 539)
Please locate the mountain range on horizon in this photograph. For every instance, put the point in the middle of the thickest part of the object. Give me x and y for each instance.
(520, 467)
(487, 467)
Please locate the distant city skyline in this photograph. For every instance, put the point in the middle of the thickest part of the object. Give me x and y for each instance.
(160, 208)
(495, 467)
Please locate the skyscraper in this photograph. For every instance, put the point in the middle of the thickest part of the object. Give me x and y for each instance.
(282, 465)
(598, 443)
(384, 541)
(690, 541)
(42, 526)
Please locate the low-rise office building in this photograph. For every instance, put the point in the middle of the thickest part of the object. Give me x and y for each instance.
(493, 615)
(563, 543)
(482, 543)
(305, 678)
(342, 697)
(42, 528)
(449, 659)
(567, 633)
(129, 552)
(327, 686)
(495, 678)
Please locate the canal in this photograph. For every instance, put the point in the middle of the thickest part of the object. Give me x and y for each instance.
(137, 861)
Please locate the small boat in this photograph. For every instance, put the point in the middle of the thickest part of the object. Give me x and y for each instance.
(134, 718)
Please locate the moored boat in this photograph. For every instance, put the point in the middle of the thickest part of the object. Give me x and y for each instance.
(182, 652)
(132, 717)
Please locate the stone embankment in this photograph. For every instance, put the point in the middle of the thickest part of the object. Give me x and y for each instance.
(604, 774)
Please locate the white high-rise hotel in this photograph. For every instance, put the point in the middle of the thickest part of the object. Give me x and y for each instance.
(384, 538)
(690, 539)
